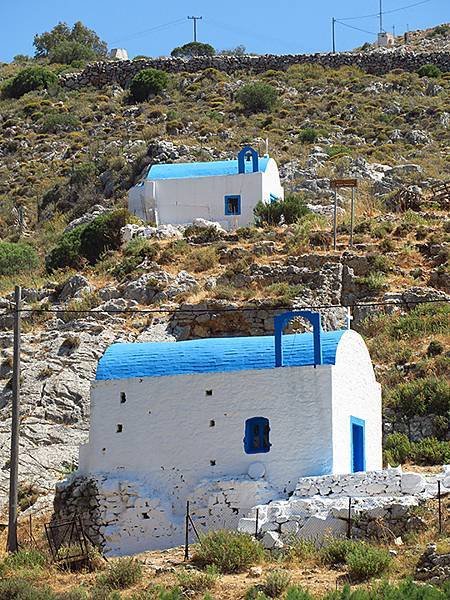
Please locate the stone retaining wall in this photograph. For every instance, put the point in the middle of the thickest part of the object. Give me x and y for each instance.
(377, 62)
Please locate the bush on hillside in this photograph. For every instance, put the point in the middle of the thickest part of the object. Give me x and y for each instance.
(426, 395)
(308, 135)
(55, 122)
(228, 551)
(365, 561)
(47, 42)
(88, 242)
(69, 52)
(147, 83)
(257, 97)
(276, 582)
(288, 211)
(28, 80)
(20, 589)
(397, 449)
(429, 451)
(121, 574)
(17, 258)
(193, 49)
(432, 71)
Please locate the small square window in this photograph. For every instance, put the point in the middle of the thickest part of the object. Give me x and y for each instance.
(232, 205)
(208, 392)
(212, 463)
(119, 428)
(123, 397)
(212, 423)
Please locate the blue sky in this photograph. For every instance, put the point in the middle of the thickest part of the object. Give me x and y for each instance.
(280, 26)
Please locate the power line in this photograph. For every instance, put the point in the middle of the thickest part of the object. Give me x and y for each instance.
(220, 310)
(385, 12)
(160, 27)
(357, 28)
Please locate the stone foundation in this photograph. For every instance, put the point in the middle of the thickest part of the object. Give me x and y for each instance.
(127, 516)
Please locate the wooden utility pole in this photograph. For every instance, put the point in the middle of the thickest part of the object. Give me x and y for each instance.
(12, 545)
(195, 19)
(333, 30)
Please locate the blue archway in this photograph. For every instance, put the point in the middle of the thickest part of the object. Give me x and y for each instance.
(242, 156)
(280, 323)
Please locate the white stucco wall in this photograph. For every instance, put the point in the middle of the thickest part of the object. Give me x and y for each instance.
(355, 393)
(167, 433)
(179, 201)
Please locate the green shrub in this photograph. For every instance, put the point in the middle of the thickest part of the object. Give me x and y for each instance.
(28, 80)
(429, 71)
(20, 589)
(276, 582)
(299, 550)
(397, 449)
(55, 123)
(308, 135)
(229, 551)
(202, 235)
(365, 561)
(296, 593)
(257, 97)
(288, 211)
(435, 348)
(147, 83)
(24, 559)
(88, 242)
(335, 551)
(431, 451)
(255, 593)
(121, 574)
(197, 581)
(193, 49)
(70, 51)
(425, 395)
(17, 258)
(375, 281)
(201, 259)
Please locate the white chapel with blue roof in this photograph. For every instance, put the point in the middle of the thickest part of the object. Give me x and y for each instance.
(224, 191)
(225, 423)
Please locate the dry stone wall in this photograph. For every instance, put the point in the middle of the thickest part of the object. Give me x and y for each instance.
(382, 505)
(377, 62)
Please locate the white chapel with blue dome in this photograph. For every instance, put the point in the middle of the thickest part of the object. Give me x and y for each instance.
(224, 191)
(225, 423)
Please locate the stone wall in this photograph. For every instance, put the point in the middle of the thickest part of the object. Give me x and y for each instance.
(124, 515)
(382, 506)
(377, 62)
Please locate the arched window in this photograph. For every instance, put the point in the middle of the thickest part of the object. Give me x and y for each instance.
(256, 438)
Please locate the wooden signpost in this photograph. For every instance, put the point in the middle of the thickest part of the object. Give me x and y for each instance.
(335, 185)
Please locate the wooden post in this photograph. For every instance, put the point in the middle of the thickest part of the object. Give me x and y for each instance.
(335, 220)
(439, 506)
(349, 521)
(186, 533)
(352, 217)
(12, 545)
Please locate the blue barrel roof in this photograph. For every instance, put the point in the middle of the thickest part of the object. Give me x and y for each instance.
(211, 355)
(203, 169)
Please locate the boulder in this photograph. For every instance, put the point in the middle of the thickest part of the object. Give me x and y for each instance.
(271, 540)
(74, 287)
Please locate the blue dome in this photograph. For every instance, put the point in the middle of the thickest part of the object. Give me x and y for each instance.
(212, 355)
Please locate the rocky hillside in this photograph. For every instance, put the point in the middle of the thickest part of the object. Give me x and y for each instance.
(67, 159)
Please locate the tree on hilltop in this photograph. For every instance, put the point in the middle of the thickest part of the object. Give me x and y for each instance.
(193, 49)
(79, 35)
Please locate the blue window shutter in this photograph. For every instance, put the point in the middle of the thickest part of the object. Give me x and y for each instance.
(232, 205)
(257, 434)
